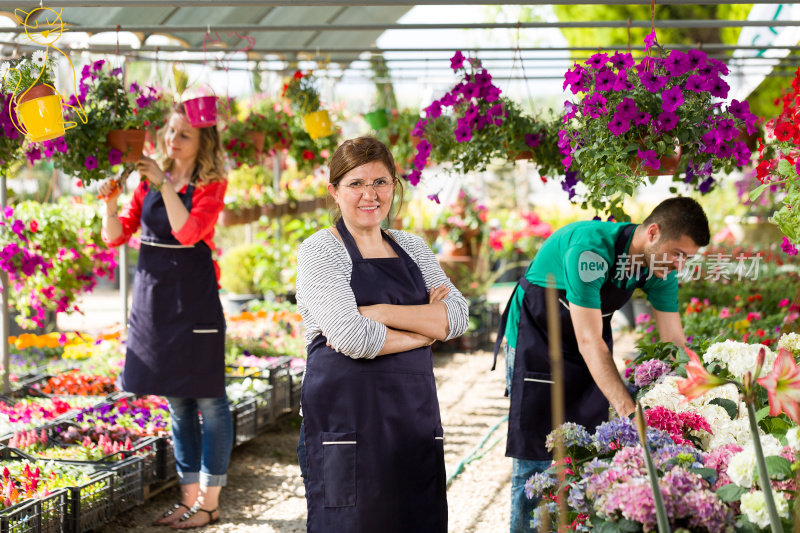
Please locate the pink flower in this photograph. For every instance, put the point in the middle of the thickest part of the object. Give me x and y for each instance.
(457, 61)
(753, 315)
(649, 40)
(783, 303)
(699, 380)
(788, 248)
(783, 386)
(724, 313)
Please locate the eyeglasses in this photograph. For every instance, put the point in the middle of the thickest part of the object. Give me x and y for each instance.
(380, 186)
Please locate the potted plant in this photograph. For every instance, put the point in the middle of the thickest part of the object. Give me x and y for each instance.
(779, 167)
(303, 96)
(656, 107)
(237, 274)
(11, 152)
(461, 226)
(110, 106)
(377, 119)
(241, 143)
(397, 136)
(38, 106)
(273, 119)
(527, 137)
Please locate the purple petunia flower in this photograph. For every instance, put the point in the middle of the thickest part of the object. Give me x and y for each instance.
(532, 139)
(605, 79)
(705, 186)
(576, 79)
(671, 99)
(649, 41)
(419, 128)
(788, 248)
(434, 198)
(60, 144)
(98, 64)
(490, 93)
(677, 63)
(483, 78)
(457, 61)
(627, 109)
(116, 72)
(667, 121)
(742, 153)
(622, 83)
(718, 87)
(18, 227)
(649, 158)
(719, 67)
(727, 130)
(463, 134)
(90, 162)
(114, 157)
(569, 183)
(618, 125)
(740, 110)
(570, 110)
(621, 60)
(434, 110)
(470, 90)
(496, 110)
(723, 150)
(414, 177)
(33, 155)
(642, 119)
(652, 82)
(597, 61)
(696, 83)
(697, 59)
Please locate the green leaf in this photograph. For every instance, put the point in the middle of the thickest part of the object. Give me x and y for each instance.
(729, 405)
(761, 413)
(755, 193)
(731, 492)
(705, 473)
(785, 168)
(629, 526)
(778, 467)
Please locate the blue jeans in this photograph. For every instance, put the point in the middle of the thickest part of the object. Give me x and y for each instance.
(202, 453)
(522, 470)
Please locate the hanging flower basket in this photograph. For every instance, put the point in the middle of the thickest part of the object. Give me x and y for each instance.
(668, 164)
(39, 111)
(377, 119)
(129, 142)
(201, 111)
(318, 124)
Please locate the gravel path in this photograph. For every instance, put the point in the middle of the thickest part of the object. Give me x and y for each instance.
(265, 492)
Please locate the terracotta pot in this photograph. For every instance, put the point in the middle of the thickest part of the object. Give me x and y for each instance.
(525, 154)
(257, 138)
(129, 142)
(393, 138)
(229, 217)
(415, 140)
(251, 214)
(669, 164)
(268, 210)
(751, 141)
(37, 91)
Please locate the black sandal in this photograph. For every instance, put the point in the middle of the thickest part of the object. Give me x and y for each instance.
(170, 512)
(193, 511)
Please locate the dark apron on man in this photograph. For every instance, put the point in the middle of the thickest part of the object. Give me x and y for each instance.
(176, 333)
(373, 433)
(529, 420)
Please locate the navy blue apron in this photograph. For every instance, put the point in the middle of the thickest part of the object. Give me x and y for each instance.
(530, 413)
(176, 332)
(373, 431)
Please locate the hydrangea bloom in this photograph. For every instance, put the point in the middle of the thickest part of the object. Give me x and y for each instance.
(790, 341)
(538, 484)
(755, 509)
(572, 434)
(615, 434)
(738, 357)
(649, 371)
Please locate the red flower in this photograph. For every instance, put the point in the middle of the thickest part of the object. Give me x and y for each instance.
(298, 75)
(785, 131)
(699, 380)
(34, 226)
(783, 386)
(308, 155)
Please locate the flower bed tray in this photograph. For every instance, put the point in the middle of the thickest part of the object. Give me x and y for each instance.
(42, 515)
(263, 400)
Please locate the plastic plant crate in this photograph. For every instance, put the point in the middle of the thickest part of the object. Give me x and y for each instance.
(89, 505)
(167, 468)
(244, 421)
(279, 374)
(128, 489)
(43, 515)
(264, 408)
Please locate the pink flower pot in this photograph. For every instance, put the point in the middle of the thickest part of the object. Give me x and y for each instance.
(201, 111)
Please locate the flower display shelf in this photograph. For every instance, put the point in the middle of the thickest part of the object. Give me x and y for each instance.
(42, 515)
(33, 387)
(234, 217)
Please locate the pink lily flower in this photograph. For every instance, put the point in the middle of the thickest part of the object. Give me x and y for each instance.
(783, 386)
(699, 380)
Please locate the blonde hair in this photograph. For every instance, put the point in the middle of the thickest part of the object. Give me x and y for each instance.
(210, 161)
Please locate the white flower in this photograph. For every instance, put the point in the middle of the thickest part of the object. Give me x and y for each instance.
(39, 58)
(4, 68)
(790, 341)
(793, 438)
(742, 468)
(738, 357)
(755, 508)
(35, 72)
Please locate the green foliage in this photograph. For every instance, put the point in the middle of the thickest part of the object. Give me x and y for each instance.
(237, 269)
(249, 186)
(21, 74)
(302, 93)
(397, 136)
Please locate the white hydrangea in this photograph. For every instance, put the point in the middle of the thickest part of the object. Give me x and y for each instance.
(755, 509)
(724, 430)
(738, 357)
(790, 341)
(742, 467)
(793, 438)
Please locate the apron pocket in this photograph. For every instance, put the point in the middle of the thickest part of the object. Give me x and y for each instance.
(535, 408)
(208, 347)
(339, 469)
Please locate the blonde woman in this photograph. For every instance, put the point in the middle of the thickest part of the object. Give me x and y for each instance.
(176, 335)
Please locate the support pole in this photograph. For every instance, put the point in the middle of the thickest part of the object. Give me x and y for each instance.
(5, 320)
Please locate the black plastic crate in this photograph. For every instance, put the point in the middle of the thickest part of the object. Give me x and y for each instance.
(279, 374)
(44, 515)
(263, 400)
(89, 505)
(166, 459)
(244, 421)
(128, 489)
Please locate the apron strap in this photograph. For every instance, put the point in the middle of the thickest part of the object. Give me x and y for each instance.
(349, 242)
(501, 329)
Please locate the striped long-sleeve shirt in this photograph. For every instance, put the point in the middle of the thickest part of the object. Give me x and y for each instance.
(327, 304)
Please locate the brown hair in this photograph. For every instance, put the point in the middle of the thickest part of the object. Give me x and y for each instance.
(680, 216)
(210, 161)
(354, 153)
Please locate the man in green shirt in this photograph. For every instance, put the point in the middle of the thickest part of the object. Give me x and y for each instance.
(596, 267)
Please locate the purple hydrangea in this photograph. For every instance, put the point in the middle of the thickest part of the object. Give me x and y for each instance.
(538, 484)
(615, 434)
(572, 434)
(649, 371)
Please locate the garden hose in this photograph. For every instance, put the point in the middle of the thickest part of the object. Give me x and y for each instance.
(473, 455)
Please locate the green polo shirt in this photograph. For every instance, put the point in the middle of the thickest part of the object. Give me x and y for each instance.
(580, 256)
